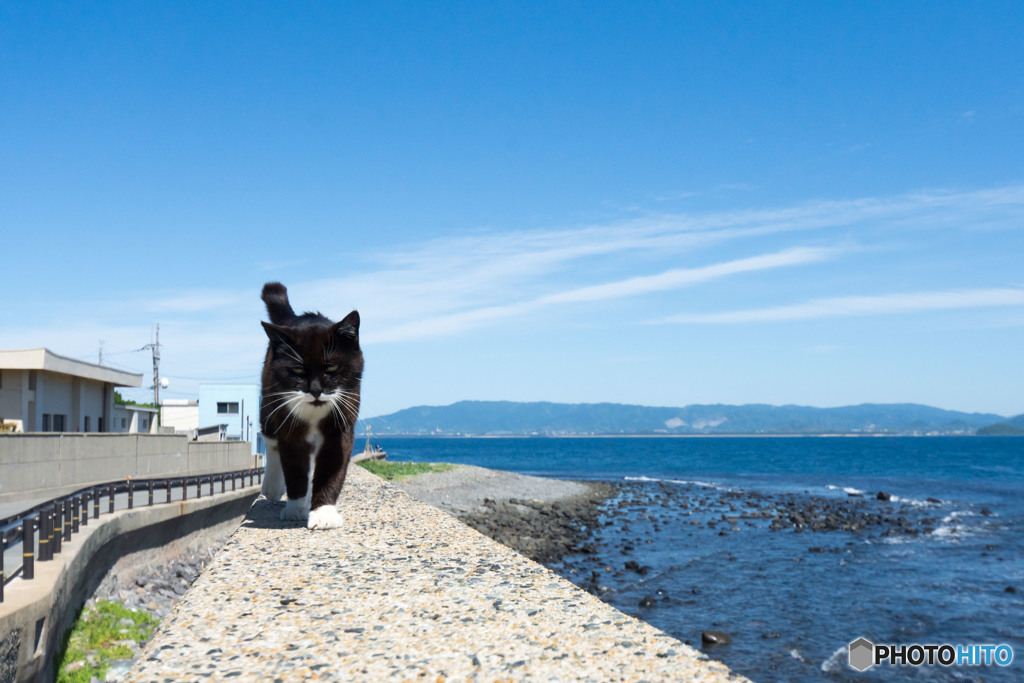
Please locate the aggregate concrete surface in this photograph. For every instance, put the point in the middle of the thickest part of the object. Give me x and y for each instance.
(401, 592)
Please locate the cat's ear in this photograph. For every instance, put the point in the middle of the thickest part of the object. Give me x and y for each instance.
(347, 329)
(279, 336)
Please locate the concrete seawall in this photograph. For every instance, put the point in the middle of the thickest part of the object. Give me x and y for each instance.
(401, 592)
(43, 466)
(35, 614)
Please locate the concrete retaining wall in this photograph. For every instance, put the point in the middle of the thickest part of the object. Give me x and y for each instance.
(35, 614)
(49, 465)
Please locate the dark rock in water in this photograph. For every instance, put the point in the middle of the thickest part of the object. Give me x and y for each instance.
(934, 501)
(1010, 589)
(715, 638)
(632, 564)
(882, 495)
(769, 636)
(986, 512)
(648, 601)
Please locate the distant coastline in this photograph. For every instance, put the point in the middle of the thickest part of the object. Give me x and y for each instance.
(446, 435)
(507, 419)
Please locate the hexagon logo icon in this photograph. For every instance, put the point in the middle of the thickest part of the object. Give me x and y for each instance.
(862, 654)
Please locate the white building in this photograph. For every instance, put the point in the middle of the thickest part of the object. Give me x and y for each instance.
(181, 415)
(235, 405)
(132, 419)
(41, 391)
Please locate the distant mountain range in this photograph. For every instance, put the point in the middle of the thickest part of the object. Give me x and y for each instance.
(505, 418)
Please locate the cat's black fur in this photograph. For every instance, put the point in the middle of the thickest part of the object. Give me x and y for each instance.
(311, 383)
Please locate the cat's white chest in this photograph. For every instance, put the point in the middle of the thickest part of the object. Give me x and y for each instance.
(315, 438)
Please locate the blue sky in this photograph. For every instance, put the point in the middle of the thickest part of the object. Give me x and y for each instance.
(655, 203)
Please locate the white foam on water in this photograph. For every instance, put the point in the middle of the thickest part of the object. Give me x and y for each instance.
(838, 661)
(953, 528)
(911, 501)
(706, 484)
(846, 489)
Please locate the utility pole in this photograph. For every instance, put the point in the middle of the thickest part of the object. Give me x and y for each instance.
(155, 346)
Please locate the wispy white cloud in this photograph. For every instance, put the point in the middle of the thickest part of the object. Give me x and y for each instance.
(451, 284)
(848, 306)
(636, 286)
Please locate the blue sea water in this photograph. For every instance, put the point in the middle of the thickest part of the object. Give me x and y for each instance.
(793, 600)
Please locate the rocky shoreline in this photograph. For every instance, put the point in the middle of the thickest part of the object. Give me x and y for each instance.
(550, 530)
(543, 531)
(567, 525)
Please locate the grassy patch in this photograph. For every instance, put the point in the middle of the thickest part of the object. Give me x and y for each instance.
(100, 637)
(401, 470)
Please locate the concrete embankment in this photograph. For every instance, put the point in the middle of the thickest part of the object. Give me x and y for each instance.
(35, 614)
(403, 591)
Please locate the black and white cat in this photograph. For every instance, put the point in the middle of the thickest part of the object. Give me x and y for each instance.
(311, 380)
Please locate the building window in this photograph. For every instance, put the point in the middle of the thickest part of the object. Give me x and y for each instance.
(145, 423)
(99, 424)
(59, 422)
(86, 425)
(227, 408)
(46, 422)
(124, 423)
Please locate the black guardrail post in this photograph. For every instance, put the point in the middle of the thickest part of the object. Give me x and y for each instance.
(110, 505)
(58, 531)
(96, 503)
(168, 485)
(28, 549)
(150, 492)
(131, 494)
(76, 513)
(184, 488)
(44, 534)
(68, 505)
(3, 547)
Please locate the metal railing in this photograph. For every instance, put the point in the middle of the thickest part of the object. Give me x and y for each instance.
(58, 519)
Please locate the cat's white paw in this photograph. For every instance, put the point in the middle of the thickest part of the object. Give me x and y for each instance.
(325, 517)
(295, 510)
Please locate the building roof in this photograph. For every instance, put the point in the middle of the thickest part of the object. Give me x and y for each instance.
(44, 359)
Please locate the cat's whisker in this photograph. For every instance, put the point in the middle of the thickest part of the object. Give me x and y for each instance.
(291, 401)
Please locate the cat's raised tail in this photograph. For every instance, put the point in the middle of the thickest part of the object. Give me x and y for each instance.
(275, 296)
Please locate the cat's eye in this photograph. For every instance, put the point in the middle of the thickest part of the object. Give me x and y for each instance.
(332, 368)
(299, 371)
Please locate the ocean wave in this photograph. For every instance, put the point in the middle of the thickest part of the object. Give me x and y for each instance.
(915, 502)
(705, 484)
(838, 661)
(846, 489)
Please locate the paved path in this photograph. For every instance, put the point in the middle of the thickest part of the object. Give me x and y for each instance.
(402, 592)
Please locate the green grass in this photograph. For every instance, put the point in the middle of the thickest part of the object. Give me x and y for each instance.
(96, 640)
(401, 470)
